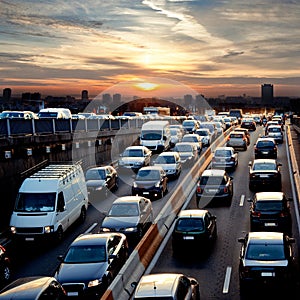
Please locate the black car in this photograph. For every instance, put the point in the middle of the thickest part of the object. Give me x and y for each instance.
(264, 174)
(150, 182)
(270, 211)
(131, 215)
(5, 266)
(248, 123)
(91, 263)
(100, 180)
(33, 288)
(214, 184)
(266, 258)
(265, 147)
(194, 229)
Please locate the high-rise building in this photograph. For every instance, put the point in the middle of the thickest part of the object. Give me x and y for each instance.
(267, 94)
(6, 94)
(84, 95)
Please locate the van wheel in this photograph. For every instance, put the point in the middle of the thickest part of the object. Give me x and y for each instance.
(82, 216)
(59, 234)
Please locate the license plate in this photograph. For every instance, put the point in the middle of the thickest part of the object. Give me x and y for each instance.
(264, 176)
(264, 152)
(72, 294)
(188, 237)
(29, 239)
(267, 274)
(212, 190)
(146, 193)
(270, 224)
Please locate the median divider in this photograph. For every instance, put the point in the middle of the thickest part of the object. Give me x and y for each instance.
(121, 288)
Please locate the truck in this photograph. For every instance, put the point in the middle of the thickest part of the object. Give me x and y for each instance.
(157, 110)
(49, 202)
(156, 135)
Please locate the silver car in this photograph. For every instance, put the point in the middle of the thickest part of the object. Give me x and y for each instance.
(170, 162)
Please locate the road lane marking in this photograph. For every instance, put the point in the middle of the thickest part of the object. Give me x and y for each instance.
(242, 200)
(227, 280)
(91, 228)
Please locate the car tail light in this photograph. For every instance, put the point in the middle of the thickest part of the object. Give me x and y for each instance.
(252, 175)
(256, 213)
(225, 190)
(283, 214)
(199, 189)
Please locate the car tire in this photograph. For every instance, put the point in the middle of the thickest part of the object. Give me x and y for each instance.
(82, 216)
(59, 235)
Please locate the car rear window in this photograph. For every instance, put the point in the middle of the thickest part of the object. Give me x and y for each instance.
(236, 135)
(212, 180)
(265, 252)
(268, 206)
(190, 224)
(264, 166)
(262, 144)
(223, 153)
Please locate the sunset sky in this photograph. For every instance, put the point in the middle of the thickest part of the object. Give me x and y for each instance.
(224, 47)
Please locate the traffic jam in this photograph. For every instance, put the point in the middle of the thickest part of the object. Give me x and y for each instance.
(234, 238)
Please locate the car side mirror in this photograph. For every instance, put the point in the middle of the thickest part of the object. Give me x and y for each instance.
(249, 200)
(279, 164)
(241, 240)
(291, 240)
(60, 257)
(250, 163)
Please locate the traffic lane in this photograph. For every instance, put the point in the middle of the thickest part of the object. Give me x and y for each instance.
(217, 272)
(41, 258)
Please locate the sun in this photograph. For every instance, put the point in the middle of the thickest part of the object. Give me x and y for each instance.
(146, 86)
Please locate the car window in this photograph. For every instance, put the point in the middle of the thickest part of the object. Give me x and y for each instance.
(212, 180)
(165, 159)
(269, 206)
(183, 148)
(265, 252)
(236, 136)
(124, 209)
(148, 175)
(190, 224)
(95, 175)
(223, 153)
(133, 153)
(85, 254)
(264, 166)
(262, 144)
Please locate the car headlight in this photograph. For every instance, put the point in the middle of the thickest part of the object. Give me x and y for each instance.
(157, 184)
(131, 229)
(48, 229)
(134, 184)
(94, 282)
(104, 229)
(13, 230)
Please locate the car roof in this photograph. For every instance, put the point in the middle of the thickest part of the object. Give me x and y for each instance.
(158, 168)
(158, 285)
(236, 132)
(224, 148)
(186, 143)
(92, 239)
(264, 161)
(129, 199)
(136, 147)
(26, 288)
(170, 153)
(265, 139)
(190, 213)
(213, 172)
(263, 237)
(269, 196)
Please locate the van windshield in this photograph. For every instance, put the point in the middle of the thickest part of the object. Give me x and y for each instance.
(48, 115)
(35, 202)
(151, 134)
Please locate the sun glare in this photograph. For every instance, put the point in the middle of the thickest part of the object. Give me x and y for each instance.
(146, 86)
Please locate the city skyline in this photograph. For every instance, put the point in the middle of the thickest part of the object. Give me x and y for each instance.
(209, 47)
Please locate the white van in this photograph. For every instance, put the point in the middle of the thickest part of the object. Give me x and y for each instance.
(156, 135)
(55, 113)
(48, 202)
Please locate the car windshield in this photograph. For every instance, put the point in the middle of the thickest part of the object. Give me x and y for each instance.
(274, 129)
(269, 206)
(174, 131)
(35, 202)
(183, 148)
(188, 124)
(151, 135)
(265, 252)
(202, 132)
(95, 174)
(85, 254)
(223, 153)
(133, 153)
(212, 180)
(190, 224)
(124, 210)
(264, 167)
(165, 160)
(148, 175)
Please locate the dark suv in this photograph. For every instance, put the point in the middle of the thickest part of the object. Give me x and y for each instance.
(270, 211)
(265, 148)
